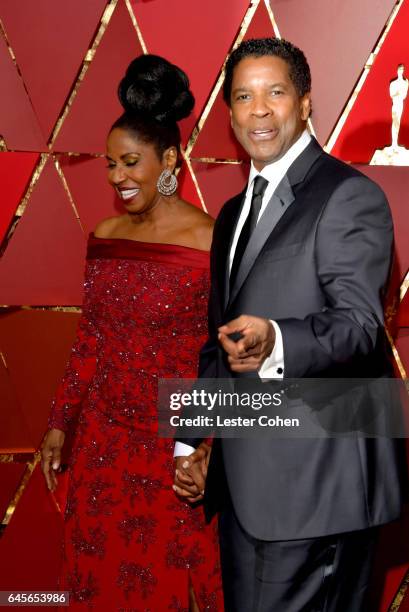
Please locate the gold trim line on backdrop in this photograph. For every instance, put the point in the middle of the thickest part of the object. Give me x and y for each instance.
(89, 56)
(67, 190)
(398, 599)
(72, 309)
(214, 160)
(395, 352)
(136, 26)
(20, 490)
(3, 359)
(219, 80)
(23, 202)
(245, 24)
(195, 181)
(404, 286)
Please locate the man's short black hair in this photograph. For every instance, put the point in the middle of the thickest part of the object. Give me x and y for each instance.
(299, 69)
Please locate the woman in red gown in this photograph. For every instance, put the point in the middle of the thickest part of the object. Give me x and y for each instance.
(130, 544)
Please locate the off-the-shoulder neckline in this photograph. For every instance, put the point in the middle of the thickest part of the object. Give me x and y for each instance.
(142, 242)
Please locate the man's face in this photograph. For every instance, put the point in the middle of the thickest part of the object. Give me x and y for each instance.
(267, 114)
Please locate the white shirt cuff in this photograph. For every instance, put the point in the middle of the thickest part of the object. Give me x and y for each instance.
(273, 366)
(183, 450)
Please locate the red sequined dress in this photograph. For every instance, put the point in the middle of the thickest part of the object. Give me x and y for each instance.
(130, 544)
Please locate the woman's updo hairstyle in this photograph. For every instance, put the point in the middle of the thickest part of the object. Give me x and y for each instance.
(155, 95)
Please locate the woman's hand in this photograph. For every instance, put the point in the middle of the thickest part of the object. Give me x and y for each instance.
(51, 456)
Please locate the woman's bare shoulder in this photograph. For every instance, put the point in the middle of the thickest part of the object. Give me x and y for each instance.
(107, 227)
(201, 225)
(197, 215)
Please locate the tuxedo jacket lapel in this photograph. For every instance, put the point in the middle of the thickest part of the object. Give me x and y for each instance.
(226, 227)
(282, 198)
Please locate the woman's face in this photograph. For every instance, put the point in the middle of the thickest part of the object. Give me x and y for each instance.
(133, 170)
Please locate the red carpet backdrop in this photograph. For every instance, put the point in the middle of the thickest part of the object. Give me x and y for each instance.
(60, 63)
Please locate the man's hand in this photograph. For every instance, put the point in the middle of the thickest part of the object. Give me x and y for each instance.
(51, 456)
(190, 474)
(256, 344)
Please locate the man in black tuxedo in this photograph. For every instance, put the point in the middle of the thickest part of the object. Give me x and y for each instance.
(299, 264)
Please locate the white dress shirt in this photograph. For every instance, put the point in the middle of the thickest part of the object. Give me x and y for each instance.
(273, 366)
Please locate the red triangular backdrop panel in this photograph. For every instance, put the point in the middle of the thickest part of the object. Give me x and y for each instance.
(95, 106)
(36, 347)
(394, 181)
(219, 182)
(31, 543)
(44, 261)
(216, 140)
(47, 53)
(368, 126)
(15, 172)
(391, 563)
(18, 124)
(94, 198)
(15, 435)
(10, 477)
(187, 189)
(207, 35)
(336, 52)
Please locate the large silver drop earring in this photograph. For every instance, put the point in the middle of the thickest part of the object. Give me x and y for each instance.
(167, 183)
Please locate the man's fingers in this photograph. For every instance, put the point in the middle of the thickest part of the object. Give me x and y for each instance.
(185, 495)
(190, 489)
(204, 468)
(247, 344)
(228, 345)
(235, 325)
(183, 477)
(195, 457)
(251, 360)
(190, 474)
(197, 474)
(252, 352)
(189, 471)
(181, 492)
(245, 365)
(185, 483)
(195, 471)
(241, 347)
